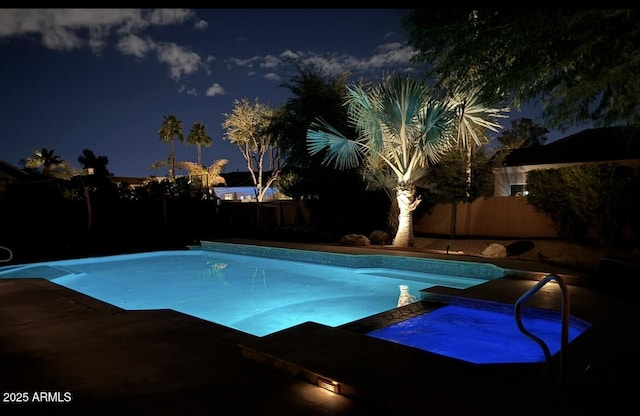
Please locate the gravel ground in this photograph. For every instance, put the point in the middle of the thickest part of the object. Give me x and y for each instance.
(580, 257)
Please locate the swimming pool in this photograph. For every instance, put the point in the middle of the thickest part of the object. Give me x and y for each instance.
(254, 289)
(481, 335)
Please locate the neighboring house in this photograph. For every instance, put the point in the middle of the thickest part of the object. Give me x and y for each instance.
(599, 145)
(9, 174)
(132, 181)
(240, 187)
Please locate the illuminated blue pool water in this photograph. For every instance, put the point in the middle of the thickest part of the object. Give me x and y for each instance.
(252, 293)
(478, 335)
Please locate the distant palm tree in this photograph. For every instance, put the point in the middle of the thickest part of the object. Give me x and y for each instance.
(45, 159)
(403, 127)
(171, 127)
(208, 176)
(199, 137)
(215, 172)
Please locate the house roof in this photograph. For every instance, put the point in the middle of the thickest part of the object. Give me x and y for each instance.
(131, 180)
(242, 179)
(11, 170)
(590, 145)
(238, 178)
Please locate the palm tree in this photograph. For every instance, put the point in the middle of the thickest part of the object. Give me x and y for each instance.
(474, 120)
(45, 159)
(171, 127)
(214, 172)
(209, 176)
(199, 137)
(402, 126)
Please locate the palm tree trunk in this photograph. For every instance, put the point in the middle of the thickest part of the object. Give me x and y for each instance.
(392, 217)
(199, 154)
(404, 235)
(468, 171)
(165, 209)
(172, 168)
(87, 197)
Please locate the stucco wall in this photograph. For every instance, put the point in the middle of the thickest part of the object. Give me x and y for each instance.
(500, 216)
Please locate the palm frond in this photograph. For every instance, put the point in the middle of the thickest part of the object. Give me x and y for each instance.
(158, 164)
(217, 167)
(474, 116)
(192, 168)
(364, 114)
(340, 151)
(436, 123)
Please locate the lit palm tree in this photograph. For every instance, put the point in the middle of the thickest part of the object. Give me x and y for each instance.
(199, 137)
(209, 176)
(44, 159)
(171, 127)
(215, 172)
(474, 120)
(402, 126)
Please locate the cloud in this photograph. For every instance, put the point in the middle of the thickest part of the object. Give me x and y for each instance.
(181, 61)
(67, 29)
(271, 76)
(188, 90)
(248, 62)
(134, 45)
(389, 56)
(163, 17)
(61, 39)
(200, 24)
(271, 62)
(17, 22)
(215, 89)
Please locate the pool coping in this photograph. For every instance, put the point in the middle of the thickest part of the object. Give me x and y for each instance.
(483, 271)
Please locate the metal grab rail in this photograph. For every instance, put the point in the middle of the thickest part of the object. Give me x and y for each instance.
(564, 340)
(10, 255)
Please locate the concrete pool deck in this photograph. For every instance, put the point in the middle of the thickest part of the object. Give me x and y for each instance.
(75, 353)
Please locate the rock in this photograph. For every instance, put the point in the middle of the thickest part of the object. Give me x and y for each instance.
(519, 247)
(380, 238)
(495, 251)
(354, 240)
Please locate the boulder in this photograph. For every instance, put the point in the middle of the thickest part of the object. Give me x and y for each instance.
(495, 251)
(380, 238)
(354, 240)
(519, 247)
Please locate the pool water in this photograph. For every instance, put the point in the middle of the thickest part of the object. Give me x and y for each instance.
(254, 294)
(480, 336)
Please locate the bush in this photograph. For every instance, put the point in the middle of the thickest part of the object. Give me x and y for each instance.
(596, 197)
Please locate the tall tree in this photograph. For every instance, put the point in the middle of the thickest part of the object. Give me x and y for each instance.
(523, 133)
(98, 164)
(247, 128)
(447, 183)
(403, 126)
(198, 136)
(170, 129)
(575, 61)
(315, 94)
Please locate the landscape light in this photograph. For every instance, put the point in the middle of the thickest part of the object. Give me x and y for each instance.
(330, 385)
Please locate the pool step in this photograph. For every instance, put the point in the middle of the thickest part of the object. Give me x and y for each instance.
(446, 280)
(41, 271)
(318, 352)
(362, 366)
